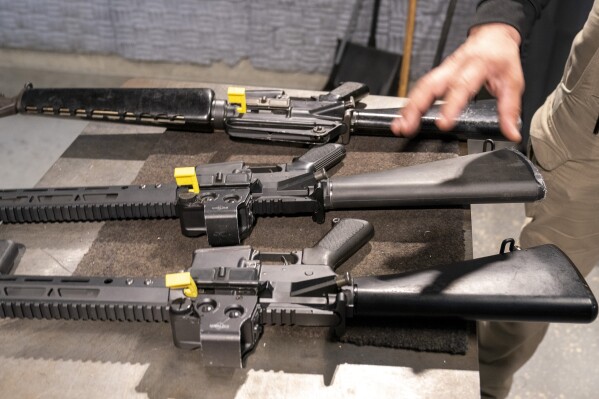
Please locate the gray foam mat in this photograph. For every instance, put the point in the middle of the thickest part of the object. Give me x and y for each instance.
(404, 240)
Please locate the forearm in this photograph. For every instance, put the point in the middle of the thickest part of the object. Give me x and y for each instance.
(521, 14)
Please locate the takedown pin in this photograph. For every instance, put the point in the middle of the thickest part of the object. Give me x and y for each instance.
(344, 279)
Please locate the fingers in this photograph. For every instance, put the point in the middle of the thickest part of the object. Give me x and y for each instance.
(420, 99)
(430, 87)
(490, 55)
(457, 89)
(509, 109)
(462, 89)
(508, 89)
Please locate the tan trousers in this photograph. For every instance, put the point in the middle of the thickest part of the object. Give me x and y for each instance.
(565, 146)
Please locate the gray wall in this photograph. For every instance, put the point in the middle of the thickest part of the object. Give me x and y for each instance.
(284, 35)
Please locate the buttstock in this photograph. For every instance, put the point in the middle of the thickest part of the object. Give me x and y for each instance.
(501, 176)
(477, 121)
(537, 284)
(477, 117)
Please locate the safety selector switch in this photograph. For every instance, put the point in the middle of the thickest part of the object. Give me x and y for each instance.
(236, 96)
(182, 281)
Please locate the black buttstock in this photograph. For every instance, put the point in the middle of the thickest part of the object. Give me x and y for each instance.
(501, 176)
(537, 284)
(182, 109)
(477, 121)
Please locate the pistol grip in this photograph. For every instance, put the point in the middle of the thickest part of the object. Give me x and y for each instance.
(318, 158)
(344, 239)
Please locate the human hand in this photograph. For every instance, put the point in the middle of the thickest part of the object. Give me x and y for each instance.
(490, 56)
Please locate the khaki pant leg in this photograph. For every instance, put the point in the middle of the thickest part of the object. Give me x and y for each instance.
(566, 149)
(503, 348)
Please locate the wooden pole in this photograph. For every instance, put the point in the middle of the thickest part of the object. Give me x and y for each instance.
(404, 73)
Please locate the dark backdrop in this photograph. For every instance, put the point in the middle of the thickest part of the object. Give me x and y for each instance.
(545, 52)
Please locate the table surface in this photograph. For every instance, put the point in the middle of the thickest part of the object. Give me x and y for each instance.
(66, 358)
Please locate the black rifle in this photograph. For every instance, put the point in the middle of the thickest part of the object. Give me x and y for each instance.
(256, 114)
(228, 196)
(222, 303)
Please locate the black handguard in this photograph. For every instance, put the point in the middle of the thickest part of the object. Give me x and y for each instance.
(78, 204)
(179, 109)
(221, 305)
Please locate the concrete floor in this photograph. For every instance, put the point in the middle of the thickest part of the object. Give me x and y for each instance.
(564, 365)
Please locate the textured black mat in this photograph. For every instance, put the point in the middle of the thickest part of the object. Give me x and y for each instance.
(404, 239)
(449, 336)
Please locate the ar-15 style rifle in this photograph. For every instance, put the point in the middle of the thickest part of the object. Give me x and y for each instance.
(253, 114)
(222, 302)
(233, 194)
